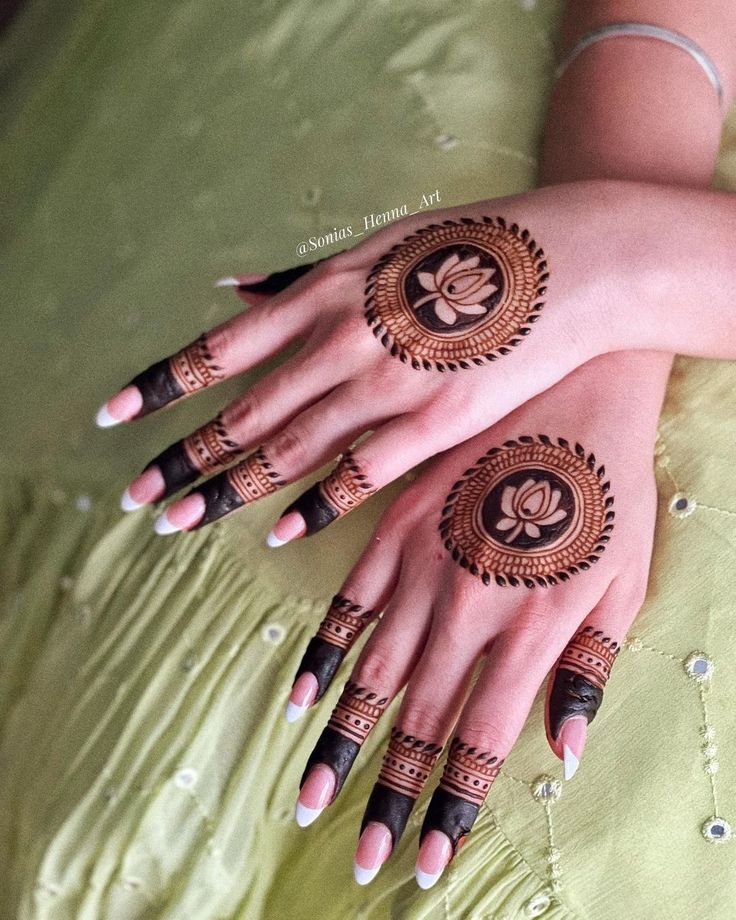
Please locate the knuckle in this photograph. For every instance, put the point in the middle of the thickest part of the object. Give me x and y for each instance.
(374, 670)
(420, 717)
(241, 415)
(484, 731)
(288, 450)
(220, 342)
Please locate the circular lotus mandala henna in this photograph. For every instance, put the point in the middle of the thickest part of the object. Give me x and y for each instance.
(532, 512)
(457, 294)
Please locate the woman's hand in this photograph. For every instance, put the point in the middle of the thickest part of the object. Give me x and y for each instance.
(450, 564)
(428, 332)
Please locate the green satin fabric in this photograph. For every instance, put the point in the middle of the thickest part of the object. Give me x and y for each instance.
(146, 770)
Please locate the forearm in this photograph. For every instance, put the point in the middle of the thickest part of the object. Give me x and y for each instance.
(669, 134)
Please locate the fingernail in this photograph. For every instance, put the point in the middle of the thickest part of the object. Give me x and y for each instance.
(147, 488)
(374, 848)
(315, 794)
(572, 737)
(121, 408)
(182, 515)
(434, 854)
(241, 280)
(286, 529)
(302, 696)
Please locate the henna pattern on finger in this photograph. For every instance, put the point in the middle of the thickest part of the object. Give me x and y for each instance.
(343, 623)
(532, 512)
(406, 767)
(465, 783)
(208, 449)
(344, 489)
(356, 712)
(246, 482)
(457, 294)
(582, 672)
(189, 370)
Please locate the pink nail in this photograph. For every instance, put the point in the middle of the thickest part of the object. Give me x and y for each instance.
(121, 408)
(287, 528)
(571, 739)
(147, 488)
(374, 848)
(303, 694)
(434, 854)
(315, 794)
(182, 515)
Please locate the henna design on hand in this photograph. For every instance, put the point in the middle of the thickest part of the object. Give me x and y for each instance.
(457, 294)
(189, 370)
(352, 719)
(465, 782)
(344, 489)
(246, 482)
(582, 672)
(531, 512)
(205, 451)
(343, 623)
(406, 767)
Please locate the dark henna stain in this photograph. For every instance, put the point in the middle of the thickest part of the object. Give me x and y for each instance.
(530, 512)
(582, 672)
(466, 780)
(454, 295)
(344, 489)
(406, 767)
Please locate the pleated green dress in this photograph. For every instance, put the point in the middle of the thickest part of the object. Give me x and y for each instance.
(146, 769)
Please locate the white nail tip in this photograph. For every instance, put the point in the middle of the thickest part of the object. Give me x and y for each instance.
(227, 282)
(363, 876)
(273, 540)
(128, 503)
(294, 712)
(103, 418)
(571, 762)
(305, 816)
(424, 879)
(164, 526)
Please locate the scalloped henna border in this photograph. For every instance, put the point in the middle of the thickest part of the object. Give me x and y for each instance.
(388, 340)
(544, 581)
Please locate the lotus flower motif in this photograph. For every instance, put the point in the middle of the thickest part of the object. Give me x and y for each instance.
(528, 507)
(459, 286)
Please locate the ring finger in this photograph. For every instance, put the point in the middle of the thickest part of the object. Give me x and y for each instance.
(430, 706)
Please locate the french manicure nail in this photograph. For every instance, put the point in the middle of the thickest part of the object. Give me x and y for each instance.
(182, 515)
(302, 696)
(434, 854)
(122, 407)
(230, 281)
(374, 848)
(286, 529)
(147, 488)
(315, 794)
(572, 737)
